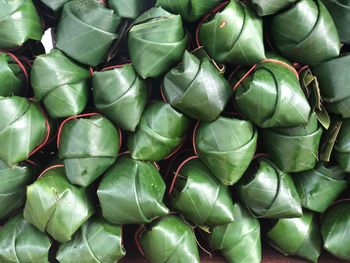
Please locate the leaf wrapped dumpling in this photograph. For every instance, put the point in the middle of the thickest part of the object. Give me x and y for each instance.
(20, 242)
(56, 206)
(156, 42)
(121, 95)
(129, 8)
(137, 188)
(270, 7)
(55, 5)
(87, 147)
(197, 88)
(169, 239)
(342, 146)
(95, 242)
(60, 83)
(86, 31)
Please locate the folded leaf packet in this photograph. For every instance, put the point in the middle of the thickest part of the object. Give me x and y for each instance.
(129, 8)
(342, 148)
(55, 5)
(270, 7)
(56, 206)
(60, 83)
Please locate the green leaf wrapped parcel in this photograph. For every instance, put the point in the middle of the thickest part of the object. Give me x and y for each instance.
(121, 95)
(270, 7)
(297, 236)
(137, 188)
(14, 181)
(87, 147)
(156, 42)
(129, 8)
(161, 130)
(342, 146)
(19, 22)
(197, 88)
(190, 10)
(56, 206)
(294, 149)
(55, 5)
(22, 128)
(268, 192)
(335, 229)
(318, 188)
(96, 241)
(234, 35)
(226, 146)
(200, 197)
(333, 75)
(86, 31)
(271, 96)
(21, 242)
(169, 239)
(305, 33)
(60, 83)
(239, 241)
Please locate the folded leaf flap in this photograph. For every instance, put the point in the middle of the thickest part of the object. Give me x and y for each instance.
(270, 7)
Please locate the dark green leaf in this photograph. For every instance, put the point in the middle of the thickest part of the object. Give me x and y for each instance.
(270, 7)
(342, 146)
(129, 8)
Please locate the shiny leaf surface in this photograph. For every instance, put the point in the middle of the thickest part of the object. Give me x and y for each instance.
(342, 146)
(270, 7)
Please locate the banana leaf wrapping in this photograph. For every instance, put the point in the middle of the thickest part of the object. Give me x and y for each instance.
(14, 181)
(294, 149)
(274, 91)
(268, 192)
(60, 83)
(137, 188)
(305, 33)
(234, 35)
(318, 188)
(333, 76)
(22, 128)
(342, 146)
(95, 242)
(20, 242)
(56, 206)
(55, 5)
(190, 10)
(340, 12)
(86, 31)
(87, 147)
(226, 146)
(335, 230)
(297, 236)
(156, 42)
(19, 22)
(239, 241)
(13, 79)
(129, 8)
(200, 197)
(197, 88)
(121, 95)
(161, 130)
(169, 239)
(270, 7)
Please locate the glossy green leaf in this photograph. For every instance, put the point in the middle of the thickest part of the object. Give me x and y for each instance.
(305, 33)
(234, 35)
(156, 42)
(20, 242)
(95, 242)
(269, 192)
(293, 149)
(14, 181)
(137, 188)
(56, 206)
(342, 146)
(55, 5)
(329, 139)
(226, 146)
(19, 22)
(189, 10)
(297, 236)
(270, 7)
(239, 241)
(129, 8)
(88, 146)
(197, 88)
(335, 229)
(318, 188)
(22, 128)
(200, 197)
(60, 83)
(333, 76)
(160, 131)
(169, 240)
(121, 95)
(86, 31)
